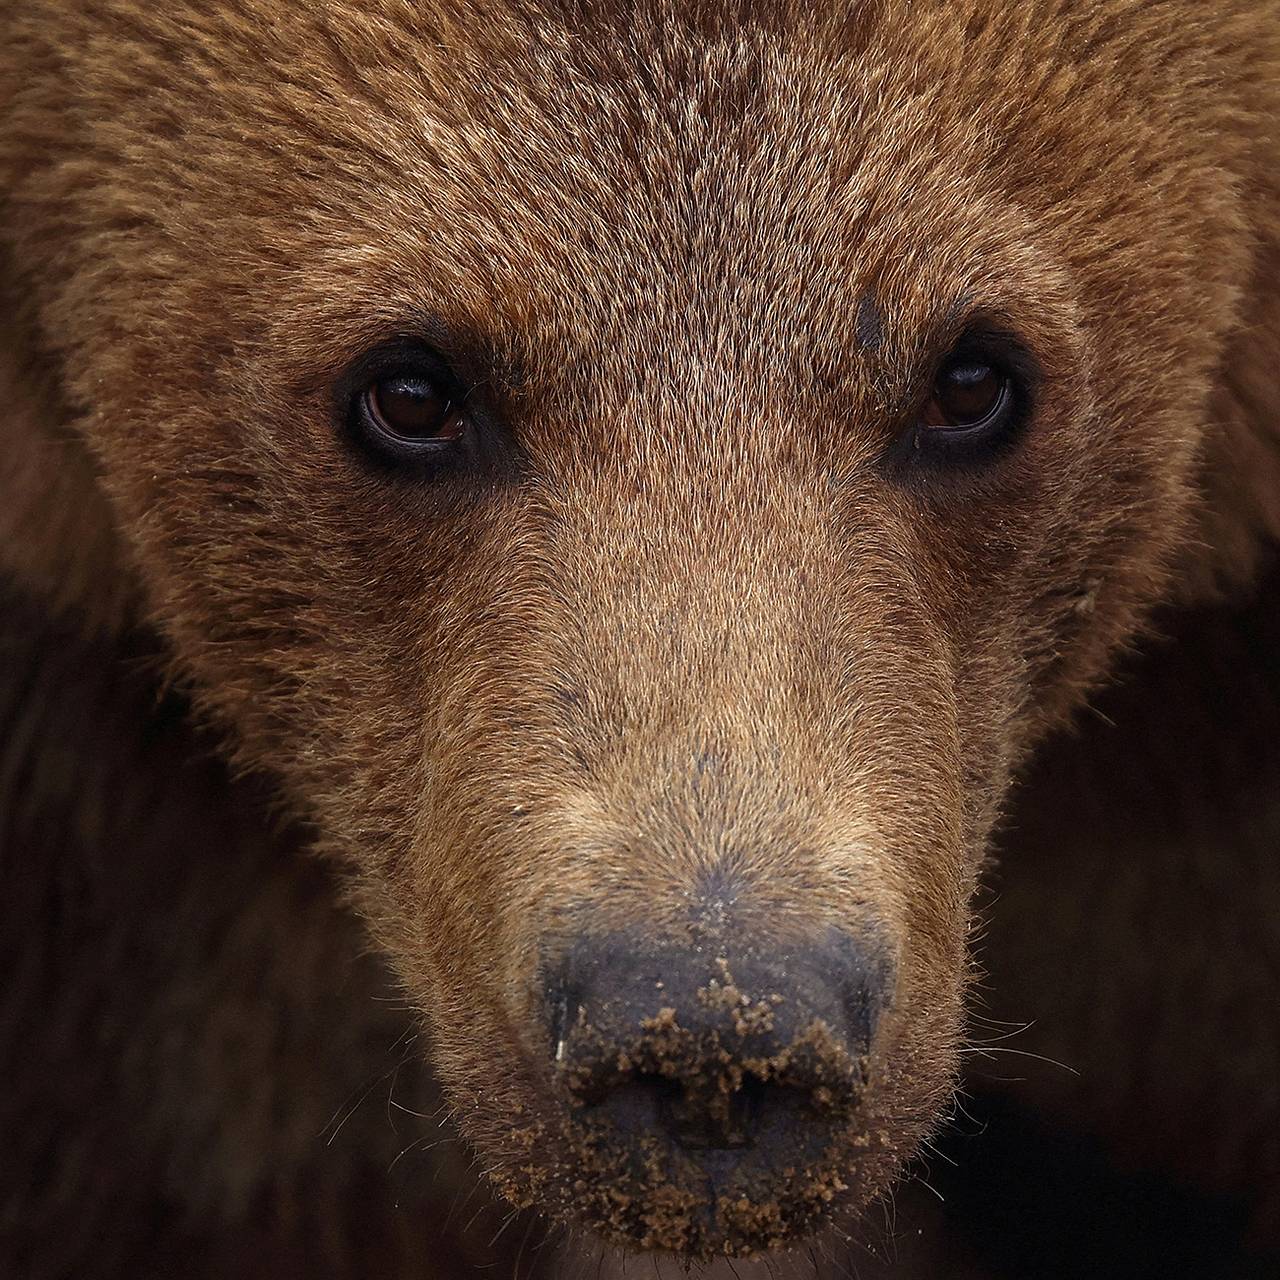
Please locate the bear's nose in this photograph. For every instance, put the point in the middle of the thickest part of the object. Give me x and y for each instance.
(759, 1051)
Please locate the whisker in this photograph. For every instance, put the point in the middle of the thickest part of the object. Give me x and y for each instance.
(524, 1240)
(418, 1147)
(1020, 1053)
(934, 1150)
(928, 1187)
(507, 1221)
(359, 1102)
(421, 1115)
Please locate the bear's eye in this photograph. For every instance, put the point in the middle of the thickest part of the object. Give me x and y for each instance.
(970, 398)
(409, 415)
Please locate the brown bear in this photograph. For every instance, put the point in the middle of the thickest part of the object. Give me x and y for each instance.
(602, 500)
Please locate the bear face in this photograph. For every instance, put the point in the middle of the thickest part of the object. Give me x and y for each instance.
(642, 486)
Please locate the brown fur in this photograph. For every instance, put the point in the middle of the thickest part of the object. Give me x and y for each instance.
(699, 264)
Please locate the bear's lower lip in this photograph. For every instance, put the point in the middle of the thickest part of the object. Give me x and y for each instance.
(715, 1218)
(700, 1204)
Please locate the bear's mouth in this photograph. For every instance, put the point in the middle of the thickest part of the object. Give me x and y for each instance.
(644, 1196)
(725, 1186)
(705, 1106)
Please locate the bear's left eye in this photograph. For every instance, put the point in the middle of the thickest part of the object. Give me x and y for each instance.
(970, 397)
(409, 416)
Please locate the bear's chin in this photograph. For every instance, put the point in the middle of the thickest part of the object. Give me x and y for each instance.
(651, 1198)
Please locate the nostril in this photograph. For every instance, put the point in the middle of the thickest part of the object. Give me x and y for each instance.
(703, 1113)
(753, 1099)
(716, 1121)
(637, 1104)
(700, 1117)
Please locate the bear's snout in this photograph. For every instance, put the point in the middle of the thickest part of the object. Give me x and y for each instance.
(709, 1089)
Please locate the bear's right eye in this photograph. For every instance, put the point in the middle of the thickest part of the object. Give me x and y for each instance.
(402, 405)
(409, 415)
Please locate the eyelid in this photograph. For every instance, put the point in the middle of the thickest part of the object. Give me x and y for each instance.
(973, 366)
(403, 356)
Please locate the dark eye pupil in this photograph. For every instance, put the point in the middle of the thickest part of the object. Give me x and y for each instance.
(415, 409)
(965, 394)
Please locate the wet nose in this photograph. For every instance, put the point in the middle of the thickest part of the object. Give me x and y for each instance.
(755, 1050)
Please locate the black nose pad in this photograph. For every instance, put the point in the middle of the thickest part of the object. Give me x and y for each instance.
(717, 1052)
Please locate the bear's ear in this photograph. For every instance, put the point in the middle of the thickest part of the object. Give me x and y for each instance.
(1241, 522)
(58, 540)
